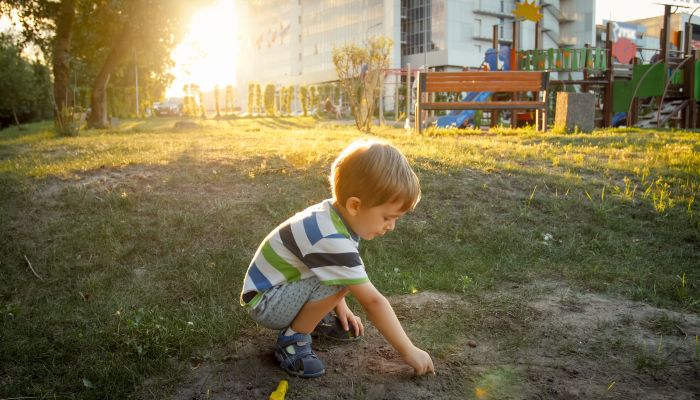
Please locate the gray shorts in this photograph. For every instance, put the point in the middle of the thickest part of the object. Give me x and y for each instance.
(281, 304)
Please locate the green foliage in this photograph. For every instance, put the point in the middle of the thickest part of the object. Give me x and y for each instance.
(67, 122)
(270, 100)
(290, 98)
(251, 97)
(189, 102)
(228, 108)
(359, 71)
(202, 105)
(217, 105)
(258, 99)
(24, 87)
(304, 99)
(283, 100)
(314, 98)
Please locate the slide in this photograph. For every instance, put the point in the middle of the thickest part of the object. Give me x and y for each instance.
(459, 118)
(619, 119)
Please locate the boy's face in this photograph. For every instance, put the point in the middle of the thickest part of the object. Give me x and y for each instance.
(371, 222)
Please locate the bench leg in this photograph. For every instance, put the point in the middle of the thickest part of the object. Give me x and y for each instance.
(417, 119)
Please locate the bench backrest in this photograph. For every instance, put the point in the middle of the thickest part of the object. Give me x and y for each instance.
(483, 81)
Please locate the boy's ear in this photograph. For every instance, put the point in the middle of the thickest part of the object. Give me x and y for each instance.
(353, 204)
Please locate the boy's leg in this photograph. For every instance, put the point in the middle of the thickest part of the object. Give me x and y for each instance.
(313, 311)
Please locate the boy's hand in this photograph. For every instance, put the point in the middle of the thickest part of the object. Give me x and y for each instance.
(347, 318)
(419, 360)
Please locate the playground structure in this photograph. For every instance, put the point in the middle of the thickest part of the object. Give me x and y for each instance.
(661, 93)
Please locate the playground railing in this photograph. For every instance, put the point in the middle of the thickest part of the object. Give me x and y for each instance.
(591, 59)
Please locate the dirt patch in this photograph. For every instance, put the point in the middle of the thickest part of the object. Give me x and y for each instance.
(579, 346)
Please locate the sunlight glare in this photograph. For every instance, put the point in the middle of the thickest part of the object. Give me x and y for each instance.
(207, 54)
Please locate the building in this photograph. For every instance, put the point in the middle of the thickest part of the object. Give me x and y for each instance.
(290, 42)
(646, 33)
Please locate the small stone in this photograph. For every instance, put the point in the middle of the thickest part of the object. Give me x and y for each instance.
(471, 343)
(337, 370)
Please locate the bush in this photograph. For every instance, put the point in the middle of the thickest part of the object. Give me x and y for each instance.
(304, 97)
(251, 97)
(270, 100)
(67, 122)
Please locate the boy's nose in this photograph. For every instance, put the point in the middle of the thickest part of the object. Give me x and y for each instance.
(390, 225)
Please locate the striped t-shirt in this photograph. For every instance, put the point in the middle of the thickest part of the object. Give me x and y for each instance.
(314, 242)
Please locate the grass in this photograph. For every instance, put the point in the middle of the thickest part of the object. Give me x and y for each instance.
(141, 234)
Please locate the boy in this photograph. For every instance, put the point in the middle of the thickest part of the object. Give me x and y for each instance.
(306, 266)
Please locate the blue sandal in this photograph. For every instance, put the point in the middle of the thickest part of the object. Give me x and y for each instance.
(296, 357)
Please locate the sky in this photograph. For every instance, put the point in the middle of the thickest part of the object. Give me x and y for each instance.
(625, 10)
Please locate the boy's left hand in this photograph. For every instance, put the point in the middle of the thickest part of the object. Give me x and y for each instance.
(347, 318)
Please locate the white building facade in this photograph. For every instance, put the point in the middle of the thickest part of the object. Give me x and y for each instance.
(290, 42)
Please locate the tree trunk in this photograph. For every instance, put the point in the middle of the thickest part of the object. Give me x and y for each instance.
(98, 115)
(61, 57)
(14, 114)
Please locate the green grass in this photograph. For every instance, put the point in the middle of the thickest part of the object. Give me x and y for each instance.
(142, 234)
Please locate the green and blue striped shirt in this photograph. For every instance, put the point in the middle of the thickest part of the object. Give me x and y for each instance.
(314, 242)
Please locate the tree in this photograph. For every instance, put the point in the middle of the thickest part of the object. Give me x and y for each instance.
(304, 98)
(192, 94)
(359, 70)
(216, 102)
(251, 98)
(290, 98)
(258, 99)
(228, 107)
(283, 100)
(24, 87)
(202, 106)
(38, 17)
(270, 100)
(103, 35)
(314, 98)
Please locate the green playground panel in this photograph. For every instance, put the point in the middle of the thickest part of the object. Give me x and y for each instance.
(697, 80)
(652, 86)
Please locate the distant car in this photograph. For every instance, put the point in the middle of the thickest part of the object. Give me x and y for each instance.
(170, 107)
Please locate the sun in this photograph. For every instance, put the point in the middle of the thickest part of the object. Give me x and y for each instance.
(207, 55)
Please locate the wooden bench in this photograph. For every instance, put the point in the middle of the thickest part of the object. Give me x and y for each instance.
(516, 82)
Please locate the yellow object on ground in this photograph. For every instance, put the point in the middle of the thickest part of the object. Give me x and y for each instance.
(281, 390)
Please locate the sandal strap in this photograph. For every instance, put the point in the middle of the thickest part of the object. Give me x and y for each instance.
(294, 339)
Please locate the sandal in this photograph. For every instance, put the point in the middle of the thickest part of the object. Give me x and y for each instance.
(331, 327)
(296, 357)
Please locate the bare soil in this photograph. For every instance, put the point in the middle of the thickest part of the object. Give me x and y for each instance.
(574, 346)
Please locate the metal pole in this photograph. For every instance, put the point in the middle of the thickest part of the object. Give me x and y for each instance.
(381, 98)
(136, 74)
(666, 33)
(425, 52)
(409, 95)
(608, 99)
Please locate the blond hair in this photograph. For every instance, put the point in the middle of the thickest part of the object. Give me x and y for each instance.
(376, 173)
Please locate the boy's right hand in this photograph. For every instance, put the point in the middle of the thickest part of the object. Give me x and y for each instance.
(419, 360)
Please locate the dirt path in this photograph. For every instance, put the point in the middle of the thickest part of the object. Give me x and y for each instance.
(564, 345)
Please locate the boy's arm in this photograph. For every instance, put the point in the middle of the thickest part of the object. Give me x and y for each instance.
(381, 314)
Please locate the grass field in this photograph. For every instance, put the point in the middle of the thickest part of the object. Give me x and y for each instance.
(138, 238)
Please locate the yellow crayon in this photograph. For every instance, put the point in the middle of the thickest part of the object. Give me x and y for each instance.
(281, 390)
